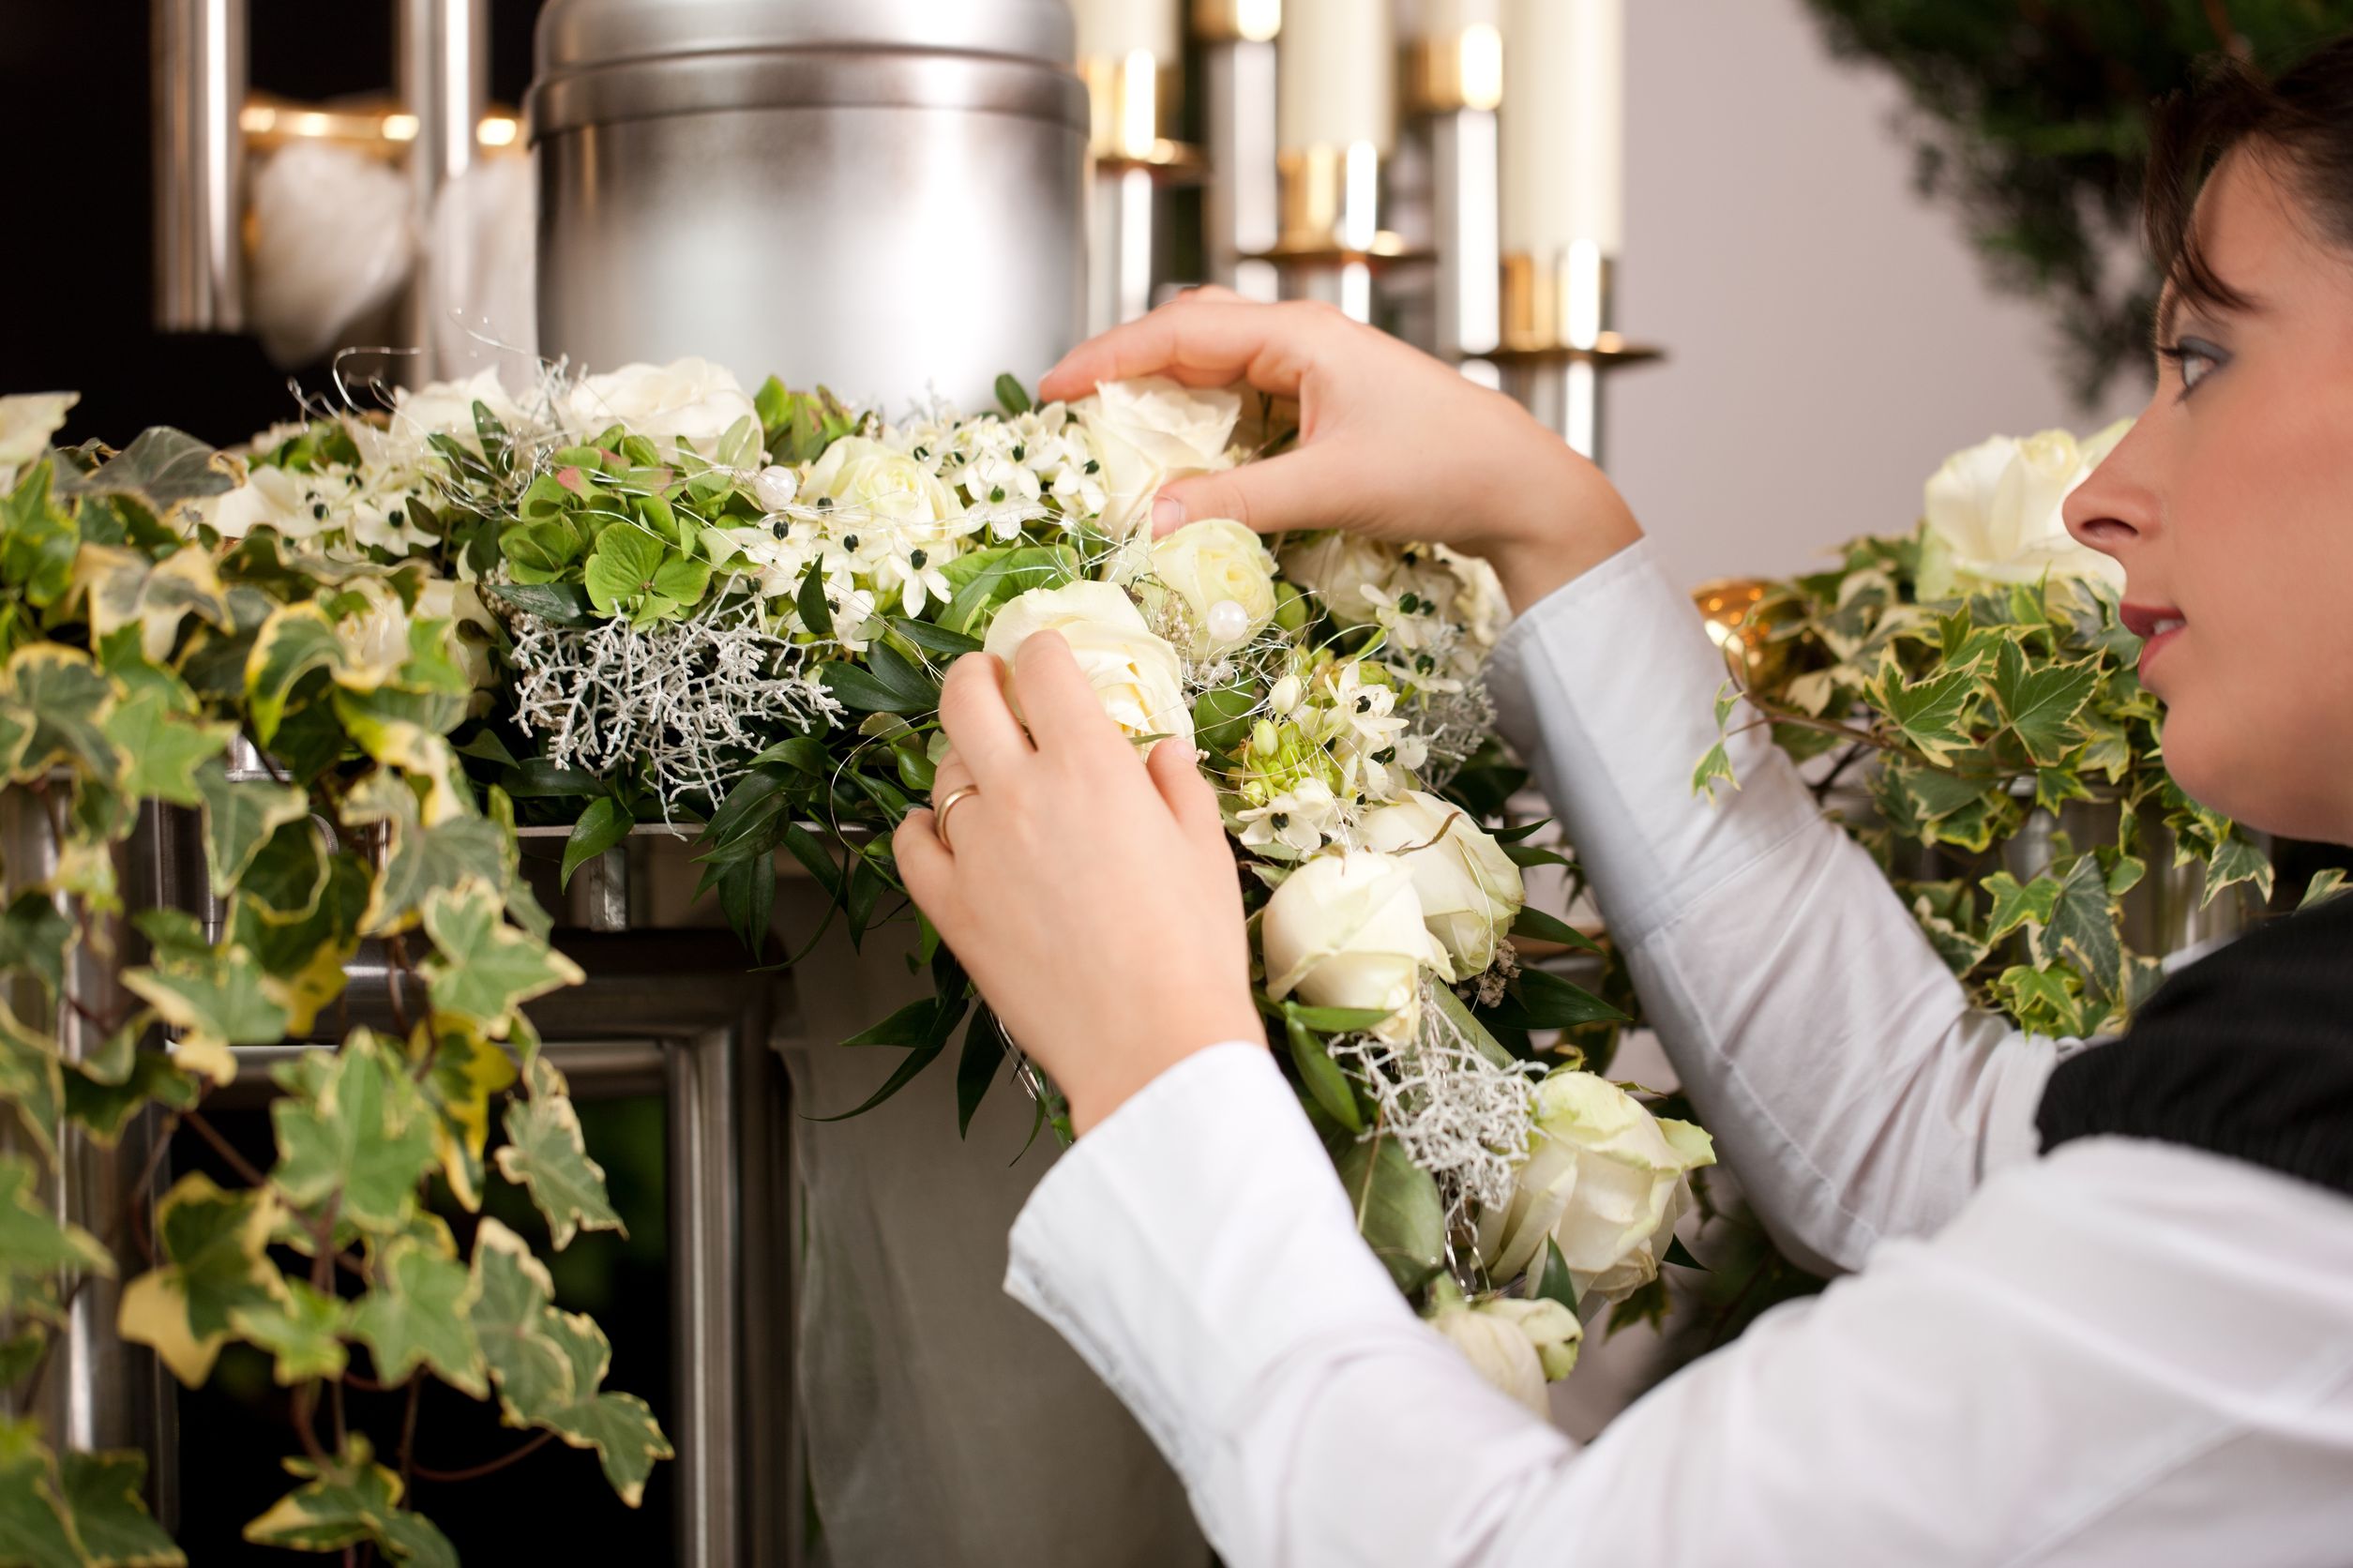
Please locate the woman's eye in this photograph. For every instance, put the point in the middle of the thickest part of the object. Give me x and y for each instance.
(2196, 359)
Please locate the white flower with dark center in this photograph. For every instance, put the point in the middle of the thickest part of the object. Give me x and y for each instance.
(1302, 819)
(912, 570)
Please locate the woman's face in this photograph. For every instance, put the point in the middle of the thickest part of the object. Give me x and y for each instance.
(2230, 506)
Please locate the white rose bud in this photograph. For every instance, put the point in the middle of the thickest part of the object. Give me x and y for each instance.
(1345, 930)
(1496, 1347)
(1469, 889)
(1605, 1179)
(1146, 432)
(1550, 1327)
(1336, 567)
(865, 477)
(270, 497)
(1226, 578)
(1137, 673)
(688, 400)
(1994, 511)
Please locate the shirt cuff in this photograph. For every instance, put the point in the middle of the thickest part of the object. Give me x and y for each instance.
(1193, 1241)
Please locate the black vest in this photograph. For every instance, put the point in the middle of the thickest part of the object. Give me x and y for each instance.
(2247, 1053)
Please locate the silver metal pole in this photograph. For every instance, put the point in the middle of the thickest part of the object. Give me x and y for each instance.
(199, 70)
(1242, 210)
(1464, 152)
(442, 48)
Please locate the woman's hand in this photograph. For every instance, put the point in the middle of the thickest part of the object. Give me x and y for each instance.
(1392, 444)
(1089, 893)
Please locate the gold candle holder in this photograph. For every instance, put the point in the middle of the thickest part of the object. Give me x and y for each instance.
(1237, 20)
(1444, 75)
(1133, 103)
(1331, 207)
(1558, 343)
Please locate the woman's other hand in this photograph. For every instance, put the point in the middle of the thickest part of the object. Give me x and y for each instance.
(1088, 892)
(1392, 444)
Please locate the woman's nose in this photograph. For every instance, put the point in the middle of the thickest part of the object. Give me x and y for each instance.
(2112, 510)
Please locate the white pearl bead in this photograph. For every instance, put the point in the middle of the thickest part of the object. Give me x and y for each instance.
(1228, 621)
(774, 489)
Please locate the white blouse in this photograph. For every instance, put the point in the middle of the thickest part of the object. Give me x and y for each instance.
(2125, 1352)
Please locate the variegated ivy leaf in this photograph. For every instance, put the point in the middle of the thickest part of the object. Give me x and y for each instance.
(302, 960)
(2082, 927)
(163, 468)
(1927, 712)
(124, 588)
(2017, 904)
(353, 1125)
(35, 937)
(33, 1528)
(103, 1108)
(418, 1315)
(163, 750)
(214, 1262)
(102, 1495)
(294, 641)
(240, 815)
(426, 861)
(484, 969)
(550, 1365)
(31, 1081)
(304, 1333)
(34, 1242)
(1960, 951)
(467, 1070)
(287, 876)
(2238, 859)
(53, 706)
(2039, 705)
(347, 1503)
(406, 729)
(546, 1153)
(216, 1002)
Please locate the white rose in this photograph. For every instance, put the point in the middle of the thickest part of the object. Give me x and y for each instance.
(1469, 889)
(270, 497)
(1337, 567)
(1480, 603)
(1137, 674)
(27, 421)
(689, 399)
(866, 479)
(1216, 563)
(1346, 930)
(1498, 1351)
(1147, 432)
(1994, 509)
(375, 637)
(1605, 1179)
(446, 408)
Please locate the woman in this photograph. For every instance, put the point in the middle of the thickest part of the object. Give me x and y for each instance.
(2108, 1311)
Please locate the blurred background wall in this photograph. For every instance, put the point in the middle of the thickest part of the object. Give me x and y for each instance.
(1832, 335)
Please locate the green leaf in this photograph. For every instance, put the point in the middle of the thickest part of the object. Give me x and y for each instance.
(430, 861)
(160, 468)
(484, 969)
(604, 824)
(2327, 884)
(1554, 1283)
(293, 643)
(220, 1000)
(1397, 1209)
(623, 567)
(1527, 855)
(562, 604)
(31, 1080)
(34, 1242)
(985, 1049)
(2082, 927)
(937, 640)
(947, 1012)
(2238, 859)
(288, 875)
(212, 1247)
(1222, 717)
(418, 1316)
(304, 1333)
(546, 1153)
(1327, 1084)
(1012, 397)
(860, 690)
(1927, 712)
(1715, 768)
(1533, 922)
(1337, 1020)
(619, 1426)
(816, 612)
(2041, 705)
(1548, 1002)
(102, 1496)
(364, 1133)
(164, 750)
(348, 1502)
(102, 1108)
(998, 573)
(58, 701)
(683, 578)
(747, 895)
(33, 938)
(240, 815)
(32, 1528)
(2016, 905)
(2041, 999)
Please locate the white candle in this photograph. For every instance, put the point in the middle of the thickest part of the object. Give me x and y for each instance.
(1564, 68)
(1114, 29)
(1335, 74)
(1442, 20)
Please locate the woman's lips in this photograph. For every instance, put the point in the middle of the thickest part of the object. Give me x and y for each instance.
(2155, 625)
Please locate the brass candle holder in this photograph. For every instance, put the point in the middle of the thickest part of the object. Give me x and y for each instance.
(1330, 241)
(1133, 103)
(1241, 206)
(1558, 344)
(1454, 85)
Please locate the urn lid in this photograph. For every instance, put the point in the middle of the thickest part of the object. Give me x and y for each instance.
(576, 34)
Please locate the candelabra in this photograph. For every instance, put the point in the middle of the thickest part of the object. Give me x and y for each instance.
(1557, 347)
(1241, 208)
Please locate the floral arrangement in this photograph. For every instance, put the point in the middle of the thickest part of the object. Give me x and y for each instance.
(1977, 664)
(370, 644)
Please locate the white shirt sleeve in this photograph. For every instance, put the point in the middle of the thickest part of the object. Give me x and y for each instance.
(2128, 1353)
(1838, 1064)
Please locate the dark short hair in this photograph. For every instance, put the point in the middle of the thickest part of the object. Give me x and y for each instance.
(2303, 117)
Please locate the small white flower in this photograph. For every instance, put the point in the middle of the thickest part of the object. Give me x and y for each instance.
(1301, 818)
(913, 569)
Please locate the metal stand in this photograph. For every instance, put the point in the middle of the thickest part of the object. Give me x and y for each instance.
(1557, 344)
(1133, 163)
(444, 51)
(200, 77)
(1332, 242)
(1241, 205)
